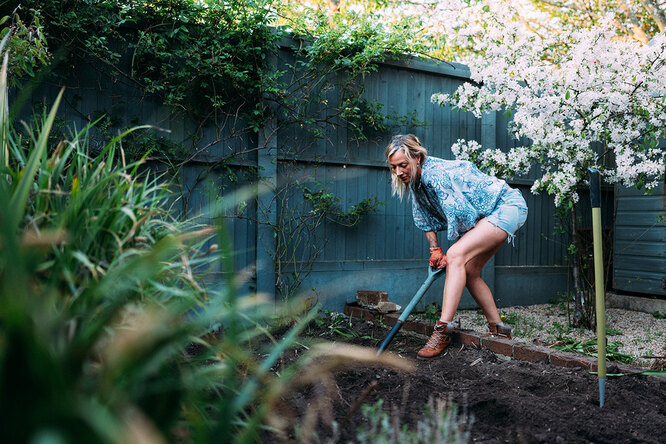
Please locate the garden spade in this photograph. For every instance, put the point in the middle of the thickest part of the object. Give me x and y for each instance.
(595, 198)
(433, 273)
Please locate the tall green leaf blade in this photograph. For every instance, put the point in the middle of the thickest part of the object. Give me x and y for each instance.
(18, 201)
(4, 122)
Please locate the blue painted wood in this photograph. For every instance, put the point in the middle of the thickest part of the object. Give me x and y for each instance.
(639, 254)
(385, 244)
(391, 235)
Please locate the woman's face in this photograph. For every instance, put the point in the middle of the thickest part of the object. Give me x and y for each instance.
(401, 166)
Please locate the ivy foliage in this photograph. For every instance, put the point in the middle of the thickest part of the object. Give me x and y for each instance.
(196, 57)
(230, 66)
(344, 48)
(327, 204)
(352, 41)
(207, 59)
(27, 44)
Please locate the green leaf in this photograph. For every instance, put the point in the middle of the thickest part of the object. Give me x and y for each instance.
(19, 199)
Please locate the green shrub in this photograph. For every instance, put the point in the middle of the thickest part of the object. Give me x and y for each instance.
(432, 312)
(27, 44)
(98, 305)
(107, 333)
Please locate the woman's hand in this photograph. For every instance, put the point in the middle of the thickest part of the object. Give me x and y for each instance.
(437, 258)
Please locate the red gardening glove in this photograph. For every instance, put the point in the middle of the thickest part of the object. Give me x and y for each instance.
(437, 258)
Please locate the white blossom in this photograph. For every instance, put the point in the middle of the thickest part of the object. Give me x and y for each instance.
(604, 95)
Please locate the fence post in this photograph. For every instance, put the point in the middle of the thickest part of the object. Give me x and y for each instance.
(489, 140)
(266, 208)
(267, 201)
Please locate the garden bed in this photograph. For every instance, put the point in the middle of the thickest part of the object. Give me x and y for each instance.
(508, 400)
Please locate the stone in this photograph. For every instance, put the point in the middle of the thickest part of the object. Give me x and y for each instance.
(387, 307)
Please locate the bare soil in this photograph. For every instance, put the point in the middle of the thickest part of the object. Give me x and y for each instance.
(509, 400)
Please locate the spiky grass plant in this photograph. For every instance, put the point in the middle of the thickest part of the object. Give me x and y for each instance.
(106, 334)
(441, 423)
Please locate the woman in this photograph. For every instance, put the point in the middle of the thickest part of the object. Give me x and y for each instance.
(479, 212)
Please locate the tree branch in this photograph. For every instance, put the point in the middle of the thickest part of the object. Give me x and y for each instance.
(655, 12)
(563, 5)
(636, 30)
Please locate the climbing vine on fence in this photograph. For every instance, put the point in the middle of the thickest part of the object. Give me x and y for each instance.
(207, 60)
(215, 65)
(27, 44)
(197, 58)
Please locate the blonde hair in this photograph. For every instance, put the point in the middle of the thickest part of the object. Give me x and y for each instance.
(414, 152)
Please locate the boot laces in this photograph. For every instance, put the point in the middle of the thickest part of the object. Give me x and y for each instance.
(436, 339)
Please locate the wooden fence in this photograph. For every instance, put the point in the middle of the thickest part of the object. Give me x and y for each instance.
(385, 251)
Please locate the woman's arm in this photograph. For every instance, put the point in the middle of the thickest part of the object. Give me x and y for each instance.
(437, 257)
(432, 239)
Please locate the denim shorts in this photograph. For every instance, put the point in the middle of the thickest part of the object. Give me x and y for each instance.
(509, 213)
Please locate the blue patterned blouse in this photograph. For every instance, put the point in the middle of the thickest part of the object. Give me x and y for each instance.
(453, 191)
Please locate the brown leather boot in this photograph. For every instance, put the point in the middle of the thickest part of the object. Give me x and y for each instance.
(439, 340)
(499, 329)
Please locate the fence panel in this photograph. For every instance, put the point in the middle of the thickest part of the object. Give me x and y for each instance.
(387, 252)
(639, 260)
(384, 251)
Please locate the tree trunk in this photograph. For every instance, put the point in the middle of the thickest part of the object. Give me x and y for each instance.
(579, 318)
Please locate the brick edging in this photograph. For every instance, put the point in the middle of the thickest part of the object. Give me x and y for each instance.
(517, 350)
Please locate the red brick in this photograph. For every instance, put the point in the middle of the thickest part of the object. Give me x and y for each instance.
(624, 368)
(355, 311)
(426, 328)
(351, 310)
(467, 338)
(388, 319)
(366, 297)
(588, 363)
(519, 351)
(530, 353)
(570, 360)
(498, 345)
(418, 326)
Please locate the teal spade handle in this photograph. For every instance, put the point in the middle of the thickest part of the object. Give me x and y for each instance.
(433, 274)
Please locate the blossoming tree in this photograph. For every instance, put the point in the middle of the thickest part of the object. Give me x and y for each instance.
(447, 24)
(599, 103)
(604, 97)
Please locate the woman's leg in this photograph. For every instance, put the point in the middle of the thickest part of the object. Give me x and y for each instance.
(466, 257)
(480, 243)
(478, 288)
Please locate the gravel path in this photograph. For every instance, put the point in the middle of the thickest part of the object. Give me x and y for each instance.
(639, 334)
